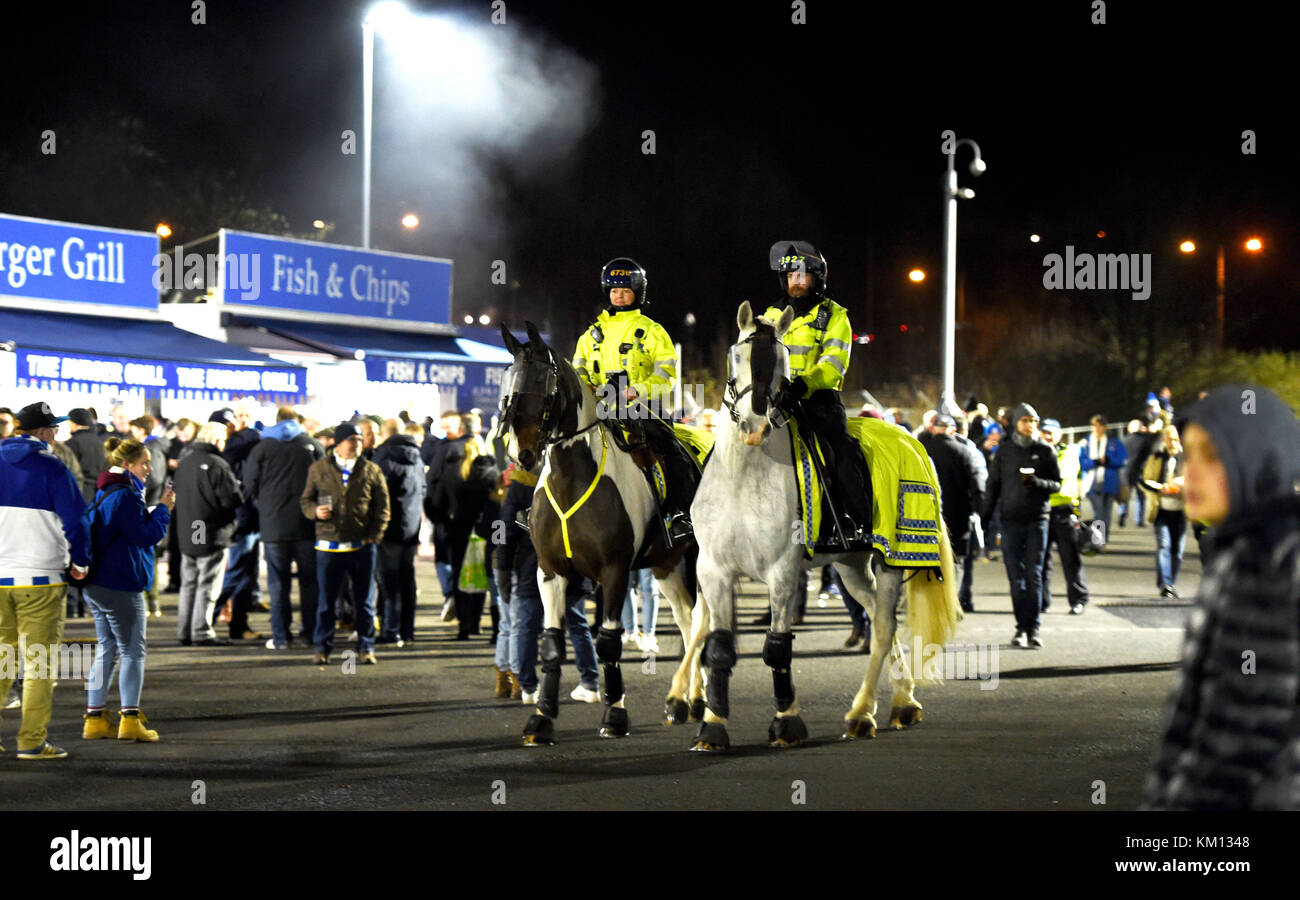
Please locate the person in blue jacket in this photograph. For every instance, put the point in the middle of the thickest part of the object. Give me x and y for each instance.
(1101, 458)
(123, 533)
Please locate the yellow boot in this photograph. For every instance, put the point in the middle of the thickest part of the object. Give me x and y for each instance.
(131, 728)
(96, 727)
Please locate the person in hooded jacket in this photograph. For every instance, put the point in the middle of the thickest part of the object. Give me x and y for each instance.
(207, 496)
(88, 446)
(123, 535)
(1232, 729)
(239, 585)
(142, 430)
(398, 457)
(1023, 475)
(275, 474)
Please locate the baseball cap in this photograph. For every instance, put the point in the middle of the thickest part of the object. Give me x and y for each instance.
(82, 417)
(343, 431)
(1049, 425)
(37, 415)
(943, 420)
(226, 416)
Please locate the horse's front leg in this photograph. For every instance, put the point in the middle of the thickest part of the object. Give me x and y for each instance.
(540, 729)
(676, 707)
(787, 728)
(609, 649)
(719, 654)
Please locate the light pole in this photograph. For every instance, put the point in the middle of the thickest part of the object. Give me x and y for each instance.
(385, 13)
(951, 193)
(1253, 245)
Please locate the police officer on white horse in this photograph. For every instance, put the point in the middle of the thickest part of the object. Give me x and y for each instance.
(819, 342)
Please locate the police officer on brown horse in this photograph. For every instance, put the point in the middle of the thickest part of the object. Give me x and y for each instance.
(819, 342)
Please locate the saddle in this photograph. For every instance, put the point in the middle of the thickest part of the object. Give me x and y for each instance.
(906, 525)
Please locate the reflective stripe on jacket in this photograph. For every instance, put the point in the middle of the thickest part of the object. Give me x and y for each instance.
(819, 355)
(648, 358)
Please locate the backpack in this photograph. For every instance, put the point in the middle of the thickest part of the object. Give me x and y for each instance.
(95, 553)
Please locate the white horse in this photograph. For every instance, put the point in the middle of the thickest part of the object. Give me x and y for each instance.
(746, 518)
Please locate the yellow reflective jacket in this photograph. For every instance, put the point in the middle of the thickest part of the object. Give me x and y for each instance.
(1067, 458)
(819, 343)
(631, 342)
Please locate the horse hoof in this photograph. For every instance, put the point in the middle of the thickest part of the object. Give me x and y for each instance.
(539, 732)
(697, 710)
(855, 729)
(903, 716)
(676, 711)
(615, 723)
(786, 731)
(711, 738)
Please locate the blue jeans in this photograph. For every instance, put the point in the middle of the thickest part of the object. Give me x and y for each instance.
(526, 612)
(120, 618)
(507, 654)
(1102, 504)
(281, 556)
(584, 648)
(330, 569)
(1171, 532)
(643, 580)
(1023, 545)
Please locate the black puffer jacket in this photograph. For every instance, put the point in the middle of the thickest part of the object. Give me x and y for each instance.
(1232, 738)
(961, 483)
(399, 459)
(88, 447)
(207, 495)
(1022, 503)
(238, 446)
(275, 474)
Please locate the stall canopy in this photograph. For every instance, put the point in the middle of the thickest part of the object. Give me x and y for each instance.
(62, 352)
(474, 369)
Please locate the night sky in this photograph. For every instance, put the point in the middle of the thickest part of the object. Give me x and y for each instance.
(828, 132)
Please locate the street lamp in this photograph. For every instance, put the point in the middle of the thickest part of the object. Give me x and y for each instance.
(382, 15)
(1254, 245)
(410, 220)
(951, 193)
(916, 275)
(163, 230)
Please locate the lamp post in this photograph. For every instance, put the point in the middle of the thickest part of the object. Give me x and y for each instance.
(385, 13)
(951, 193)
(1253, 245)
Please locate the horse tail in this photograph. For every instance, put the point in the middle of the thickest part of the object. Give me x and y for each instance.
(932, 608)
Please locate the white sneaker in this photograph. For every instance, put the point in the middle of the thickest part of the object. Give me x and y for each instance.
(585, 695)
(649, 644)
(270, 645)
(530, 699)
(628, 637)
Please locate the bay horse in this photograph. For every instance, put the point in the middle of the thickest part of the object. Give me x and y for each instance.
(746, 518)
(593, 516)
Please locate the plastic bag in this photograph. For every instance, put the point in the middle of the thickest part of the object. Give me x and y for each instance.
(473, 571)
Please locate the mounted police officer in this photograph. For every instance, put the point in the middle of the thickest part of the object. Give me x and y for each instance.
(819, 341)
(626, 351)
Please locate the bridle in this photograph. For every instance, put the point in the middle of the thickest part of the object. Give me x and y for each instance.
(540, 377)
(731, 397)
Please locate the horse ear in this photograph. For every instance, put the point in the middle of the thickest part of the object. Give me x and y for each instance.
(783, 323)
(511, 342)
(745, 317)
(533, 336)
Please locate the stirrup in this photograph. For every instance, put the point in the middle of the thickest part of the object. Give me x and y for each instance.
(680, 528)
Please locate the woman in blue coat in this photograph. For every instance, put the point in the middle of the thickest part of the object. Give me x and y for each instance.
(123, 533)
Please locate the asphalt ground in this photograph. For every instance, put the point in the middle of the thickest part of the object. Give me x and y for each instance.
(246, 728)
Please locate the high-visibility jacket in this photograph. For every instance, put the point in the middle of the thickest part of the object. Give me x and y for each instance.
(627, 341)
(819, 343)
(1067, 458)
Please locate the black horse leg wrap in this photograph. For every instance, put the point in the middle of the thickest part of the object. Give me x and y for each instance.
(613, 682)
(720, 650)
(609, 645)
(778, 650)
(783, 689)
(720, 656)
(552, 649)
(716, 694)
